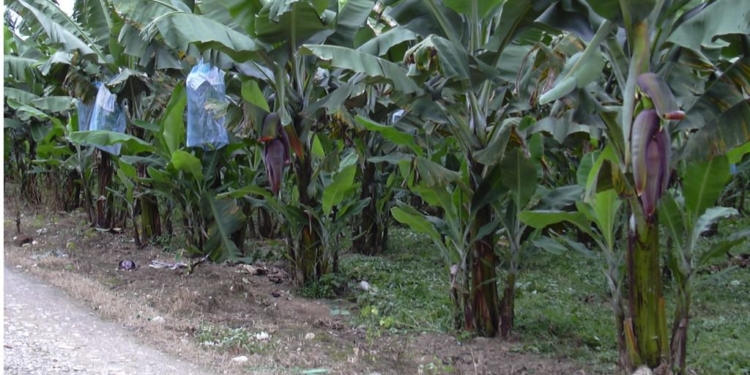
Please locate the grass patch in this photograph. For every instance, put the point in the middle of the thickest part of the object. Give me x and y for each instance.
(408, 286)
(718, 342)
(562, 309)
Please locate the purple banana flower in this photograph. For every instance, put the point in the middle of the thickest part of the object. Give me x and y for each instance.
(274, 156)
(658, 153)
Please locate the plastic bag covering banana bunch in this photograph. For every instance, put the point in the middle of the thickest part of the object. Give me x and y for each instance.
(651, 145)
(84, 113)
(107, 115)
(276, 151)
(207, 105)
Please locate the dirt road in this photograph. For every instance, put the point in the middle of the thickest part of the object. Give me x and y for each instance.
(47, 333)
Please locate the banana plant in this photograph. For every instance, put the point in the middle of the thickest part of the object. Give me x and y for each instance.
(261, 40)
(187, 180)
(661, 124)
(341, 204)
(299, 87)
(126, 174)
(86, 50)
(686, 215)
(200, 177)
(334, 175)
(36, 133)
(379, 182)
(453, 69)
(35, 111)
(598, 213)
(377, 177)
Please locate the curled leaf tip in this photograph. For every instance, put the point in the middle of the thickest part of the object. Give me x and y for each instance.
(674, 115)
(270, 129)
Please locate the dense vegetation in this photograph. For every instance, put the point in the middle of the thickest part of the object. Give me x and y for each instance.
(504, 131)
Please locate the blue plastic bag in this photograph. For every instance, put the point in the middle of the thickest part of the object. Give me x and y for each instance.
(206, 107)
(84, 115)
(107, 115)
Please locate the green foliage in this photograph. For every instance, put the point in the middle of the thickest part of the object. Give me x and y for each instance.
(372, 66)
(186, 162)
(704, 183)
(107, 138)
(341, 187)
(702, 31)
(227, 219)
(172, 125)
(519, 177)
(70, 40)
(329, 286)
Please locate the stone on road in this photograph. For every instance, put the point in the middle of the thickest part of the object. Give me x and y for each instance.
(47, 333)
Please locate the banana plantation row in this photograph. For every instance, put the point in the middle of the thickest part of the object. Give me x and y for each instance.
(498, 128)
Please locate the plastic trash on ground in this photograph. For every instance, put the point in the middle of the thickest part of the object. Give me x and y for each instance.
(127, 265)
(107, 115)
(206, 107)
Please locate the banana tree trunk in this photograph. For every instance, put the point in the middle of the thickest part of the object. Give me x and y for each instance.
(484, 298)
(308, 257)
(73, 200)
(680, 329)
(168, 218)
(136, 235)
(647, 308)
(370, 235)
(239, 236)
(103, 204)
(150, 218)
(616, 303)
(265, 227)
(87, 197)
(508, 305)
(741, 198)
(29, 183)
(622, 349)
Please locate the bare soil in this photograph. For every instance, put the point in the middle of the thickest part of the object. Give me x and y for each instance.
(304, 337)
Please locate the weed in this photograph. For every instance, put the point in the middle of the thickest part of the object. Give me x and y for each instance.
(89, 233)
(436, 366)
(234, 340)
(267, 250)
(329, 286)
(171, 244)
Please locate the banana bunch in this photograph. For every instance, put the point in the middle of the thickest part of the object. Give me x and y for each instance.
(651, 145)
